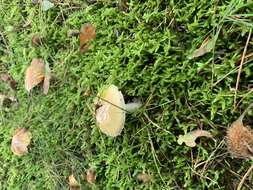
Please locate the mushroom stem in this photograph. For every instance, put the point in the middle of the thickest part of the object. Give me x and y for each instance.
(131, 107)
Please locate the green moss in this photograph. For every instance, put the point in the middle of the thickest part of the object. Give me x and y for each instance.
(145, 53)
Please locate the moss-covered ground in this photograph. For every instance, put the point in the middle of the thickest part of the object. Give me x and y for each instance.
(145, 52)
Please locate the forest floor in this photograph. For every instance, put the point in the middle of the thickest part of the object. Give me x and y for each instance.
(181, 59)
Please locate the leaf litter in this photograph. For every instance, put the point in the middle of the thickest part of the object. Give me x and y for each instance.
(21, 139)
(37, 40)
(36, 73)
(73, 184)
(206, 47)
(87, 33)
(47, 78)
(91, 176)
(189, 138)
(144, 177)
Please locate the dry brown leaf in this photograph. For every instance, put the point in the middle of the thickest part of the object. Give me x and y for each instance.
(35, 74)
(47, 78)
(205, 47)
(73, 184)
(240, 140)
(88, 32)
(189, 138)
(9, 80)
(37, 40)
(144, 178)
(20, 141)
(91, 176)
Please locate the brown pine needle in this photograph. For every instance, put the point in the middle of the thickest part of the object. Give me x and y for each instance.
(240, 69)
(244, 178)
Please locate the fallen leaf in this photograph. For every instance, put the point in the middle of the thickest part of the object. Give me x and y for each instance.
(88, 32)
(144, 178)
(205, 47)
(37, 40)
(91, 176)
(46, 5)
(35, 74)
(20, 141)
(9, 80)
(240, 140)
(47, 78)
(189, 138)
(73, 184)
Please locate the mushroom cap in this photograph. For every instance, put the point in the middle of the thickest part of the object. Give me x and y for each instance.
(110, 114)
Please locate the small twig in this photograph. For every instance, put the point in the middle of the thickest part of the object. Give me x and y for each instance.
(155, 156)
(210, 157)
(244, 178)
(240, 69)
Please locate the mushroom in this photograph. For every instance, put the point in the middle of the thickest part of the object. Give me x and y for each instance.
(110, 110)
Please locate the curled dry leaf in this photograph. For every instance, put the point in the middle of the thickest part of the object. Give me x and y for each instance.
(189, 138)
(240, 140)
(37, 40)
(91, 176)
(87, 33)
(7, 78)
(35, 74)
(205, 47)
(144, 178)
(73, 184)
(20, 141)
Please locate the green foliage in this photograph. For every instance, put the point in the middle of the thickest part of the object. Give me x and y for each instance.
(145, 53)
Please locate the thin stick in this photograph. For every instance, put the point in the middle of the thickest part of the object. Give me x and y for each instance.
(244, 178)
(240, 69)
(112, 103)
(155, 157)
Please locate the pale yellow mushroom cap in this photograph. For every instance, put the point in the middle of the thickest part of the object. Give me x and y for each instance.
(110, 114)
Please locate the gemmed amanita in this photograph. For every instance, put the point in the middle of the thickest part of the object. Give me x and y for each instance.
(110, 110)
